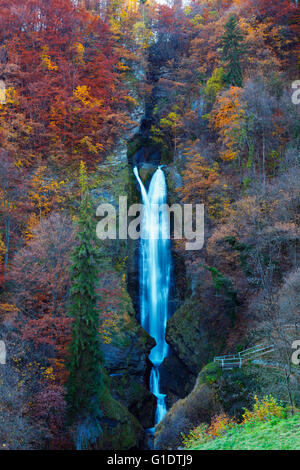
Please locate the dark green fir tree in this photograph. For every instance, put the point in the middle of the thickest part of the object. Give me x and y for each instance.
(85, 381)
(233, 49)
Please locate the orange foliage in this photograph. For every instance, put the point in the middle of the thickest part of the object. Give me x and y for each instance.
(198, 177)
(227, 118)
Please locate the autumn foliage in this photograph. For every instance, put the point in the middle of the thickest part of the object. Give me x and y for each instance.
(203, 87)
(65, 96)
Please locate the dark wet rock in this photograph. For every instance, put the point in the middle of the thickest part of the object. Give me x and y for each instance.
(131, 353)
(120, 429)
(175, 379)
(133, 394)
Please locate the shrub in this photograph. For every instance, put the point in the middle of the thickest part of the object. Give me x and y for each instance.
(219, 425)
(198, 434)
(264, 410)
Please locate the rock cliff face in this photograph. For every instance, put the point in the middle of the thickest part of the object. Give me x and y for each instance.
(121, 430)
(128, 406)
(194, 330)
(126, 358)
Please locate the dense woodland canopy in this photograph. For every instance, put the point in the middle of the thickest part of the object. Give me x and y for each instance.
(213, 81)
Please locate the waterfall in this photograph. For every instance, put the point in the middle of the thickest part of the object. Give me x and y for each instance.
(155, 268)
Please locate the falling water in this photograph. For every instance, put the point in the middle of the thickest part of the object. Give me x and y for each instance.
(155, 261)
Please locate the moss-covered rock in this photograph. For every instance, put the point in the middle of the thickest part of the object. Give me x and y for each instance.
(215, 391)
(121, 430)
(136, 397)
(234, 388)
(194, 330)
(199, 406)
(194, 333)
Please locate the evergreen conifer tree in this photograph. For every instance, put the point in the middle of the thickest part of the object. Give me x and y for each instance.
(85, 382)
(232, 50)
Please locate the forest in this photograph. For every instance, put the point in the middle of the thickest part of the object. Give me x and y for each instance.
(120, 343)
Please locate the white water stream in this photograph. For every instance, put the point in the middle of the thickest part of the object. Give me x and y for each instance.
(155, 268)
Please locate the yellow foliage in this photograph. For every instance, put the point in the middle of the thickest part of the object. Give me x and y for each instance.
(227, 118)
(33, 221)
(127, 318)
(109, 327)
(2, 249)
(131, 100)
(198, 434)
(42, 188)
(7, 309)
(170, 121)
(83, 178)
(122, 67)
(93, 148)
(220, 424)
(48, 374)
(44, 194)
(46, 60)
(11, 97)
(79, 50)
(82, 94)
(199, 178)
(197, 20)
(143, 36)
(218, 206)
(264, 410)
(2, 92)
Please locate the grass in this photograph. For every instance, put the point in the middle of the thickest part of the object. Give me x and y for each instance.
(277, 434)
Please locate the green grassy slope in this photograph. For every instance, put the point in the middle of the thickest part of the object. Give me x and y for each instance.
(278, 434)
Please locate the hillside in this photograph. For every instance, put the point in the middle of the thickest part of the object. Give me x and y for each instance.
(279, 434)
